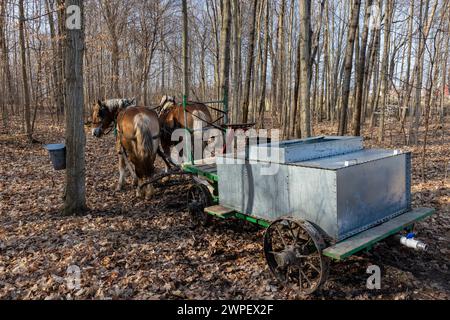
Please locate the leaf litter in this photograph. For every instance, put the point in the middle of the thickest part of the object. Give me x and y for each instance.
(128, 248)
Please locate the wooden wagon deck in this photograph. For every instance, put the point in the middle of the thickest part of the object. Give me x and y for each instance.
(206, 168)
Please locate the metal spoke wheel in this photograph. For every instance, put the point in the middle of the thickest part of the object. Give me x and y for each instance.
(198, 199)
(293, 251)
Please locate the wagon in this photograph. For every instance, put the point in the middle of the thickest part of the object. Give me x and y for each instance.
(319, 199)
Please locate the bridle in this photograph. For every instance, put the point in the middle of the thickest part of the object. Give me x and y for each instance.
(112, 127)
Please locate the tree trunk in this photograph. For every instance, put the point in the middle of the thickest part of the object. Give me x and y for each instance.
(26, 90)
(225, 54)
(236, 60)
(305, 73)
(424, 30)
(61, 56)
(279, 90)
(75, 198)
(250, 64)
(360, 77)
(262, 99)
(384, 66)
(288, 103)
(5, 58)
(113, 25)
(406, 88)
(348, 64)
(58, 83)
(277, 69)
(295, 130)
(185, 52)
(213, 17)
(444, 75)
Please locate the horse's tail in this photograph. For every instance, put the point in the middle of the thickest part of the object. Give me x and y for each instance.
(146, 143)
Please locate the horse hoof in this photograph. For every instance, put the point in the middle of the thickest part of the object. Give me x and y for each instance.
(165, 180)
(148, 197)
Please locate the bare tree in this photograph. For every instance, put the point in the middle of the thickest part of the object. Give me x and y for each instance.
(26, 90)
(360, 77)
(114, 12)
(384, 66)
(185, 51)
(58, 92)
(225, 51)
(75, 197)
(262, 98)
(348, 64)
(305, 74)
(237, 38)
(250, 63)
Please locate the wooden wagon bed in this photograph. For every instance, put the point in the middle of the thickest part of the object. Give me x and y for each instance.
(206, 168)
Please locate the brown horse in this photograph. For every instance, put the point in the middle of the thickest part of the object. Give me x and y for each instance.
(171, 117)
(137, 140)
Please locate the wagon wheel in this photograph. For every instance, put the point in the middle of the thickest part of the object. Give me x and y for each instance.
(198, 199)
(293, 251)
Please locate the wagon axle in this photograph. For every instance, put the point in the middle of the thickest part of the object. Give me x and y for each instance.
(293, 251)
(289, 256)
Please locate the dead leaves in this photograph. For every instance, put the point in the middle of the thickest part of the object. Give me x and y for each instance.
(127, 248)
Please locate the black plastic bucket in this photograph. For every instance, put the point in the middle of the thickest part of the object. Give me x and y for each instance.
(57, 155)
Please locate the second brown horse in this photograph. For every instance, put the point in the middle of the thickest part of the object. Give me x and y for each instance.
(172, 117)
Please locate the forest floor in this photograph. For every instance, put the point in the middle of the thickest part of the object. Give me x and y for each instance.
(127, 248)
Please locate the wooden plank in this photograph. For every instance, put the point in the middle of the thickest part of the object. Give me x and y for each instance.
(220, 211)
(207, 168)
(209, 174)
(369, 237)
(211, 160)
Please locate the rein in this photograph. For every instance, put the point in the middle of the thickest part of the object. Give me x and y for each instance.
(113, 128)
(207, 122)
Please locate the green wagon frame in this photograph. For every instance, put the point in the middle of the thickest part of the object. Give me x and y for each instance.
(313, 262)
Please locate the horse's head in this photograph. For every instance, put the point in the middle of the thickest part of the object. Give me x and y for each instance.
(166, 102)
(102, 118)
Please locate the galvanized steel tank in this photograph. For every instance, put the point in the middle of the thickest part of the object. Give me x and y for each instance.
(330, 181)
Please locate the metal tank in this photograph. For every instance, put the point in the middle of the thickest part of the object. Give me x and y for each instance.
(330, 181)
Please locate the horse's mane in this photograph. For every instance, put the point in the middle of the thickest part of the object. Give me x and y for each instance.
(116, 104)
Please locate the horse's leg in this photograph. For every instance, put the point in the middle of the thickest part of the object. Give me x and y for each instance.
(168, 163)
(166, 156)
(132, 171)
(122, 172)
(149, 191)
(139, 188)
(143, 190)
